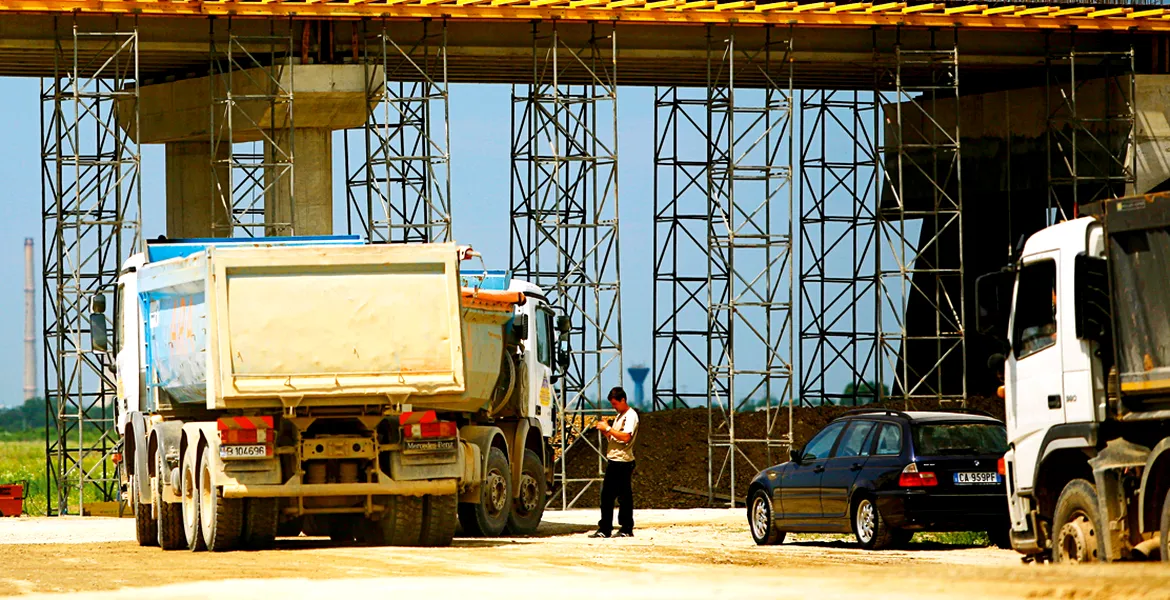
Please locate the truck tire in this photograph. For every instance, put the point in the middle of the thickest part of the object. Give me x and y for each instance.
(402, 522)
(189, 486)
(145, 525)
(489, 516)
(168, 515)
(1076, 523)
(1165, 537)
(440, 516)
(528, 505)
(222, 519)
(261, 520)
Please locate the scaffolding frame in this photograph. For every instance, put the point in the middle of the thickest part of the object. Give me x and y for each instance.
(253, 88)
(927, 272)
(1080, 155)
(750, 262)
(400, 192)
(91, 201)
(681, 221)
(564, 234)
(839, 194)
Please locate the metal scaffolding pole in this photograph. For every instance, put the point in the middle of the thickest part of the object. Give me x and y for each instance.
(91, 201)
(921, 320)
(399, 191)
(564, 234)
(749, 180)
(1091, 127)
(252, 102)
(839, 190)
(681, 215)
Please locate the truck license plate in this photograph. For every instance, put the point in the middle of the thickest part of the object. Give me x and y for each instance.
(430, 446)
(244, 451)
(976, 478)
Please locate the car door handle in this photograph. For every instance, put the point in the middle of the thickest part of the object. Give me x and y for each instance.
(819, 469)
(1054, 401)
(855, 467)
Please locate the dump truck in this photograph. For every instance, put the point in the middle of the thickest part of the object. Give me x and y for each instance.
(374, 393)
(1084, 315)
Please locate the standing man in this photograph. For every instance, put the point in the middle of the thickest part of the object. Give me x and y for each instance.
(622, 435)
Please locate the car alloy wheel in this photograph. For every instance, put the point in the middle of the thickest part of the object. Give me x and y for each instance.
(761, 519)
(866, 517)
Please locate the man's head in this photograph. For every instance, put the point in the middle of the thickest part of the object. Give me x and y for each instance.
(617, 397)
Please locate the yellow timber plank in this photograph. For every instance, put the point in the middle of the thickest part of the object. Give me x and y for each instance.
(775, 6)
(960, 10)
(909, 10)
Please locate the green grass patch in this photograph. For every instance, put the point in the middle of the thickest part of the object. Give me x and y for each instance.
(23, 461)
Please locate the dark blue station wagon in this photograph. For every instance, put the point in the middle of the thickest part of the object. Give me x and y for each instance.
(884, 474)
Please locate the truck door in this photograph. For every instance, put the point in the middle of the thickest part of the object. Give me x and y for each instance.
(539, 364)
(127, 345)
(1035, 370)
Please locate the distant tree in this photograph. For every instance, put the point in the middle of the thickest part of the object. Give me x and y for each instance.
(26, 417)
(862, 392)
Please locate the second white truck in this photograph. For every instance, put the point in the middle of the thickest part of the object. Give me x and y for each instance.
(364, 392)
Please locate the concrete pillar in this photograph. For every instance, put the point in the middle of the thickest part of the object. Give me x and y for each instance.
(308, 205)
(192, 207)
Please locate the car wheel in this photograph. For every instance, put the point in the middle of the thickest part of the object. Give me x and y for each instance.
(869, 527)
(1075, 525)
(762, 521)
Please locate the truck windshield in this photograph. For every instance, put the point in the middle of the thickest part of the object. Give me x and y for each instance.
(937, 439)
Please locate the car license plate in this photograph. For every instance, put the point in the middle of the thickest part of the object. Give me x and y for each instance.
(430, 446)
(976, 478)
(244, 451)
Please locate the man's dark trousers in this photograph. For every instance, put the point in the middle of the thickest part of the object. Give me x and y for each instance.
(616, 485)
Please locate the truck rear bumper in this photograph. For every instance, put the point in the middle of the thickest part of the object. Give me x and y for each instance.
(436, 487)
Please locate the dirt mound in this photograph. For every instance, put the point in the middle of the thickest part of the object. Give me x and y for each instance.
(673, 453)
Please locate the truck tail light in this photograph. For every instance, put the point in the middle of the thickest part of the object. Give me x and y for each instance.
(1001, 467)
(245, 430)
(441, 429)
(912, 477)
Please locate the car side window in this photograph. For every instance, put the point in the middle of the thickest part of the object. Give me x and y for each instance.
(820, 445)
(1035, 313)
(889, 441)
(856, 438)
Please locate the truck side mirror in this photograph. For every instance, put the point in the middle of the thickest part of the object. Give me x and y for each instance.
(98, 331)
(520, 327)
(1091, 298)
(564, 325)
(563, 360)
(993, 294)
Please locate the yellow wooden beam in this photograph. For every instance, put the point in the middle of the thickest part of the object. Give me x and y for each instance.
(736, 5)
(625, 4)
(775, 6)
(1110, 12)
(1038, 10)
(961, 10)
(877, 8)
(1142, 14)
(660, 4)
(909, 10)
(1070, 12)
(695, 5)
(811, 6)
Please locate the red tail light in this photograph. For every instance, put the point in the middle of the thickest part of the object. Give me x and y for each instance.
(441, 429)
(245, 430)
(912, 477)
(1001, 467)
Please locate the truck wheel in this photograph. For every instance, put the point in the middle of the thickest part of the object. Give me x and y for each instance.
(261, 521)
(222, 518)
(1075, 524)
(528, 506)
(145, 525)
(1165, 528)
(440, 516)
(490, 515)
(402, 521)
(189, 486)
(168, 515)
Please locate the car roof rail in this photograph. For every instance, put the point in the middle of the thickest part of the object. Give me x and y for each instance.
(968, 411)
(884, 411)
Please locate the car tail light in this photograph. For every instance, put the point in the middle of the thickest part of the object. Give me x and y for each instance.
(426, 424)
(1001, 467)
(245, 430)
(912, 477)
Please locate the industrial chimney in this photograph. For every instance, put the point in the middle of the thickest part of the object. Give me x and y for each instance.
(30, 360)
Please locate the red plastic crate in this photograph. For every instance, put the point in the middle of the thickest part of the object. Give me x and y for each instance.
(11, 500)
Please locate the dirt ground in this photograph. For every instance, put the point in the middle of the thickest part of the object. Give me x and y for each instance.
(703, 553)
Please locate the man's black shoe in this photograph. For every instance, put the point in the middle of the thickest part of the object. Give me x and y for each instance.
(599, 534)
(625, 534)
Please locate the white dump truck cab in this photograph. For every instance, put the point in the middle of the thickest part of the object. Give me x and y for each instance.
(326, 385)
(1082, 314)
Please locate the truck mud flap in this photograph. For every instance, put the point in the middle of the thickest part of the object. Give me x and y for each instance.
(1107, 467)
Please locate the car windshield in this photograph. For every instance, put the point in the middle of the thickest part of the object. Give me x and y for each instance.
(937, 439)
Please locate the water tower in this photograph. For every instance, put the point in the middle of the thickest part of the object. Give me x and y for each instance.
(638, 374)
